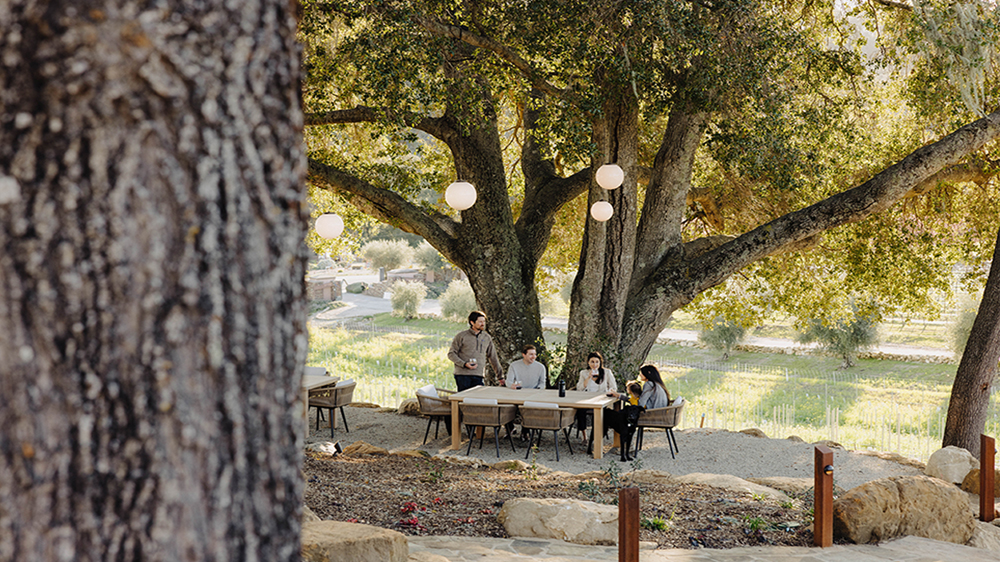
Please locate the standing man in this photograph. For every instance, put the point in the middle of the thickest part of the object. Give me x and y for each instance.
(527, 373)
(469, 351)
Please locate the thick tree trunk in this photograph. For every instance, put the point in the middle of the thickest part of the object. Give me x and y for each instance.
(970, 394)
(151, 281)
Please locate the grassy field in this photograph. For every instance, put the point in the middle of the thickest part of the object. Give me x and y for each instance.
(883, 405)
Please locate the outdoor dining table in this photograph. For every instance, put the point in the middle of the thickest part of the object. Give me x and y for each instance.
(312, 382)
(503, 395)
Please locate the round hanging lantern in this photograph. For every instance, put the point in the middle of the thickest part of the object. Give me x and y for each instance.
(460, 195)
(601, 211)
(329, 225)
(609, 176)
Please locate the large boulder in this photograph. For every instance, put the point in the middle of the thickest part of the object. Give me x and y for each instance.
(754, 432)
(986, 536)
(359, 448)
(337, 541)
(951, 464)
(971, 482)
(409, 407)
(903, 506)
(787, 484)
(650, 476)
(574, 521)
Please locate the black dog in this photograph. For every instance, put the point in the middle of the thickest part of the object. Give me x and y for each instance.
(623, 421)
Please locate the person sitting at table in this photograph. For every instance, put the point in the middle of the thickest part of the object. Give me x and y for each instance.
(596, 378)
(654, 392)
(469, 351)
(526, 373)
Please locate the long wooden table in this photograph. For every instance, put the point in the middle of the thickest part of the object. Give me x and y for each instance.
(310, 382)
(503, 395)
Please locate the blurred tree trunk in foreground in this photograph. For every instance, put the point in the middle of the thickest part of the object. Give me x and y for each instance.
(151, 281)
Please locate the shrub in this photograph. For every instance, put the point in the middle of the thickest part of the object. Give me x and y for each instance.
(722, 334)
(406, 298)
(357, 288)
(428, 257)
(458, 300)
(325, 263)
(390, 254)
(845, 336)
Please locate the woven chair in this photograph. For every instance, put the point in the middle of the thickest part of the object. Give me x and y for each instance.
(537, 417)
(483, 412)
(664, 418)
(435, 405)
(331, 398)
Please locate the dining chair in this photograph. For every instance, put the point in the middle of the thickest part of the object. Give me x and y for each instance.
(485, 412)
(662, 418)
(435, 405)
(331, 398)
(537, 417)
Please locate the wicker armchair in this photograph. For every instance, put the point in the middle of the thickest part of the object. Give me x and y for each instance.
(666, 418)
(436, 407)
(331, 398)
(537, 417)
(487, 413)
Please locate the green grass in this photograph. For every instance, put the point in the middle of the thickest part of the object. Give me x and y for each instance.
(884, 405)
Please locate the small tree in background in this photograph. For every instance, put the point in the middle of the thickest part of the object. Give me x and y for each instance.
(722, 334)
(406, 298)
(429, 258)
(390, 254)
(845, 336)
(458, 300)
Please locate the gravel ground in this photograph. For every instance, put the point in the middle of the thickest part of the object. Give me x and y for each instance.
(701, 450)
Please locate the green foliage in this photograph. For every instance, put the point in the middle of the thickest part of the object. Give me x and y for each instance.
(846, 335)
(722, 334)
(591, 490)
(390, 254)
(458, 300)
(962, 326)
(406, 298)
(428, 257)
(553, 356)
(654, 523)
(357, 288)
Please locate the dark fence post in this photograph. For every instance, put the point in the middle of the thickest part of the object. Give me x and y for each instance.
(823, 502)
(987, 473)
(628, 524)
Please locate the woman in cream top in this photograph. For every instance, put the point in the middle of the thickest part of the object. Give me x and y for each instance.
(597, 378)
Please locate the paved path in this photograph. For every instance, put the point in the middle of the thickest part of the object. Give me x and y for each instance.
(907, 549)
(363, 305)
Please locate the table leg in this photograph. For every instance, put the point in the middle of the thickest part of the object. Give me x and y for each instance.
(456, 434)
(598, 430)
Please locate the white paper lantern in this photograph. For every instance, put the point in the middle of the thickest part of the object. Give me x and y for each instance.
(460, 195)
(609, 176)
(601, 211)
(329, 225)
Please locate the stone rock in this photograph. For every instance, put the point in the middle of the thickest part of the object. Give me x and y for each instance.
(971, 482)
(951, 464)
(795, 439)
(574, 521)
(829, 444)
(894, 457)
(903, 506)
(561, 475)
(514, 465)
(363, 405)
(426, 557)
(416, 453)
(598, 474)
(461, 460)
(329, 541)
(409, 407)
(649, 476)
(794, 486)
(361, 448)
(325, 447)
(733, 483)
(986, 536)
(308, 516)
(754, 432)
(387, 409)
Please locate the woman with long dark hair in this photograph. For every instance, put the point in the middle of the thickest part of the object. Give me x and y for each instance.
(654, 392)
(595, 378)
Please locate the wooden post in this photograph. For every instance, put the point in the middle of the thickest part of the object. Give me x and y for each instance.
(628, 524)
(987, 473)
(823, 503)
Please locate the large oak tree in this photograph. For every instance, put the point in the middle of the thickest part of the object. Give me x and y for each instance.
(152, 305)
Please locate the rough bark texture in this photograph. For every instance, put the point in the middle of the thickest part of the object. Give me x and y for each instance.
(151, 281)
(970, 394)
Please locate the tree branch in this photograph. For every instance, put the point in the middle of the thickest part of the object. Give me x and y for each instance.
(507, 54)
(977, 171)
(435, 126)
(895, 5)
(440, 231)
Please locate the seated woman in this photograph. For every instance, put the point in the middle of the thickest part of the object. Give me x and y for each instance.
(654, 392)
(596, 378)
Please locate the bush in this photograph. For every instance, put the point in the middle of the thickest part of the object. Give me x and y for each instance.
(428, 257)
(846, 336)
(406, 298)
(722, 334)
(325, 263)
(357, 288)
(390, 254)
(458, 300)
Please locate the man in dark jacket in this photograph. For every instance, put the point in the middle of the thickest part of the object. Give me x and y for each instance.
(469, 352)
